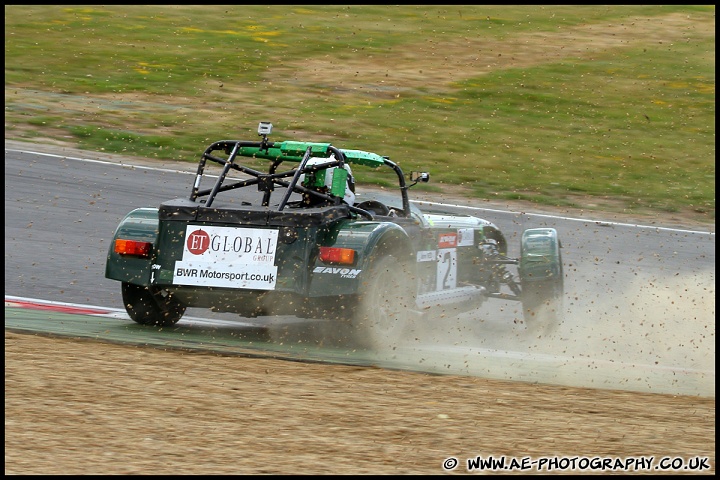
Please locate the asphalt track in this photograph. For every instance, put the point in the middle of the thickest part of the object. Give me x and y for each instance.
(639, 298)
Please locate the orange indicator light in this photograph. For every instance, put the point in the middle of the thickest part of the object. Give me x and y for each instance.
(341, 256)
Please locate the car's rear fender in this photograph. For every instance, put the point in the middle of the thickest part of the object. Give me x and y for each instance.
(140, 225)
(491, 232)
(368, 240)
(540, 258)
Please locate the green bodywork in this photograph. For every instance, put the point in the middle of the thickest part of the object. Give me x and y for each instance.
(293, 152)
(296, 274)
(142, 225)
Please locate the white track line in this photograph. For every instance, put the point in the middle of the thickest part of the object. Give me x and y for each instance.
(573, 219)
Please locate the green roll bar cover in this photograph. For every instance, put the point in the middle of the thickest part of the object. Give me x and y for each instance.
(293, 151)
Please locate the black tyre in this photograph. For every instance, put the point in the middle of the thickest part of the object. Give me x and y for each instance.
(542, 304)
(541, 278)
(147, 307)
(386, 304)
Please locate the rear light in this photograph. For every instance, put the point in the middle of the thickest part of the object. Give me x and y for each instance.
(133, 247)
(340, 256)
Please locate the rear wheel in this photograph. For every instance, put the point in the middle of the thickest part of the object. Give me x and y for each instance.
(386, 304)
(151, 307)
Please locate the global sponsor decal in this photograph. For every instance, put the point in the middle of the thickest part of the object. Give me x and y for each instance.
(246, 245)
(232, 257)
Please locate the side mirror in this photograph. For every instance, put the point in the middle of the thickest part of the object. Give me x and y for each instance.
(416, 177)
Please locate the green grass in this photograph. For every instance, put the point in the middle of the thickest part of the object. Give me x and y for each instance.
(556, 105)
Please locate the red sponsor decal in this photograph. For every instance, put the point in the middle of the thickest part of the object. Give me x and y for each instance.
(197, 242)
(447, 240)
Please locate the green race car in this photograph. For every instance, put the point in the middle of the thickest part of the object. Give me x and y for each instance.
(280, 229)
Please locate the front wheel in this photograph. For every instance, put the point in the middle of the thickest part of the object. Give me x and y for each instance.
(542, 305)
(151, 307)
(541, 278)
(386, 303)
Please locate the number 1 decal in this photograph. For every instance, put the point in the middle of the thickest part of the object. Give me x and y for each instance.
(446, 269)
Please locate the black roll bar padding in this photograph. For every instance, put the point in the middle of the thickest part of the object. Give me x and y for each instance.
(295, 178)
(228, 164)
(221, 145)
(362, 212)
(339, 155)
(198, 175)
(226, 188)
(268, 193)
(403, 186)
(275, 178)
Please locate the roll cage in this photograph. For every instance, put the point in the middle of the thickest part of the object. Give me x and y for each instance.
(288, 151)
